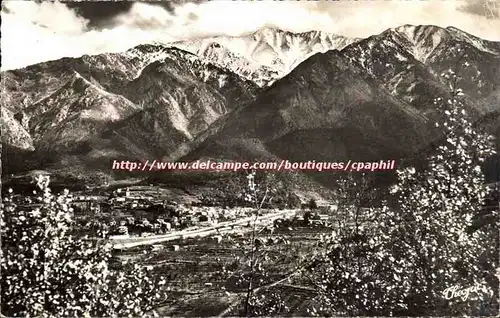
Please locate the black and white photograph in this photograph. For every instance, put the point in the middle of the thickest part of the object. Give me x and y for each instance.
(197, 158)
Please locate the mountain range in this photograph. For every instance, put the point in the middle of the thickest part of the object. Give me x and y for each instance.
(266, 55)
(271, 94)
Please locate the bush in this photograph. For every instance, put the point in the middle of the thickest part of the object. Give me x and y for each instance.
(312, 204)
(407, 257)
(49, 271)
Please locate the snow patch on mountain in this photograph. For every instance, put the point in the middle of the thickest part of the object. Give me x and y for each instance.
(423, 40)
(479, 43)
(147, 54)
(266, 55)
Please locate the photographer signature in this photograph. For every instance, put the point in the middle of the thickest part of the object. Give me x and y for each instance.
(464, 293)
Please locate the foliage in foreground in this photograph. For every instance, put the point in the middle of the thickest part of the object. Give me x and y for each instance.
(48, 271)
(404, 259)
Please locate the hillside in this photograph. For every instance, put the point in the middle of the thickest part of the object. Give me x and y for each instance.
(85, 111)
(371, 100)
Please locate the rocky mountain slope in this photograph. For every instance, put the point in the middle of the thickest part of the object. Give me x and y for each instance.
(371, 100)
(410, 60)
(266, 55)
(74, 111)
(180, 99)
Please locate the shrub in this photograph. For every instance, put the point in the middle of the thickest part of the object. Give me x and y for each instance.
(49, 271)
(404, 260)
(312, 204)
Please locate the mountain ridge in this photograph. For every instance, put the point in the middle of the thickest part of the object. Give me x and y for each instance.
(368, 100)
(273, 128)
(69, 104)
(266, 54)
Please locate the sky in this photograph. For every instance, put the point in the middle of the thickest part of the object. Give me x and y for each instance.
(34, 32)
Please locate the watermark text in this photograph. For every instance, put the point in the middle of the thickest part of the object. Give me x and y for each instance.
(280, 165)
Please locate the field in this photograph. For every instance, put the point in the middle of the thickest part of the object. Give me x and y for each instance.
(208, 275)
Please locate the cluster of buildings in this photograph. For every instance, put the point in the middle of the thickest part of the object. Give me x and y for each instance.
(125, 198)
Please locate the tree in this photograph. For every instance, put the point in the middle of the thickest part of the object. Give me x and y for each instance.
(47, 270)
(259, 297)
(407, 257)
(344, 270)
(353, 193)
(439, 205)
(256, 195)
(312, 204)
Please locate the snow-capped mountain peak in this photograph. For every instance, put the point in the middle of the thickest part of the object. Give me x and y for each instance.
(424, 39)
(265, 55)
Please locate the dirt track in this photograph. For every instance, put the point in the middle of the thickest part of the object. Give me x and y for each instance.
(223, 227)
